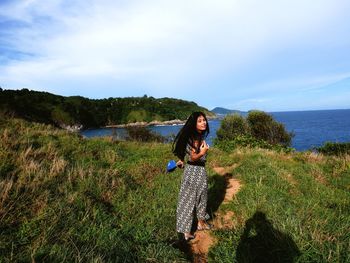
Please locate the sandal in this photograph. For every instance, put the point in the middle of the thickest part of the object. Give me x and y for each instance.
(188, 236)
(205, 226)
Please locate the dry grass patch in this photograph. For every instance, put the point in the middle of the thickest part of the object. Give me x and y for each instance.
(224, 220)
(58, 166)
(5, 187)
(40, 203)
(313, 157)
(225, 170)
(317, 174)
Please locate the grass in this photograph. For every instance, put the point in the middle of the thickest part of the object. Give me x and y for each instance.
(291, 208)
(68, 199)
(64, 198)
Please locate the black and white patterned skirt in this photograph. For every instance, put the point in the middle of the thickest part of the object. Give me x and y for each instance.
(193, 197)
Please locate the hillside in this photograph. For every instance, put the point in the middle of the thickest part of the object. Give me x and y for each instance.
(63, 111)
(65, 198)
(223, 111)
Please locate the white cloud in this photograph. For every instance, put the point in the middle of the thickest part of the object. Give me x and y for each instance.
(301, 84)
(158, 44)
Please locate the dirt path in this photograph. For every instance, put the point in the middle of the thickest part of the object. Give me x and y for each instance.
(204, 240)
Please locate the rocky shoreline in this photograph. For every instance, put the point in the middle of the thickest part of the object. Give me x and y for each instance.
(78, 127)
(153, 123)
(143, 123)
(72, 128)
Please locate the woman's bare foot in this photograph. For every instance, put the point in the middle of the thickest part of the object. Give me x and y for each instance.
(203, 225)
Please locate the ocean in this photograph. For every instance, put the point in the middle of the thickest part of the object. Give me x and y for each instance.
(311, 128)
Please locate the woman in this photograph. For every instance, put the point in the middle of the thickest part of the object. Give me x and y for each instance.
(190, 143)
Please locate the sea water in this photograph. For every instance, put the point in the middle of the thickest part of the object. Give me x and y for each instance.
(311, 128)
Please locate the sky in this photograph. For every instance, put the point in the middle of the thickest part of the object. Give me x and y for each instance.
(269, 55)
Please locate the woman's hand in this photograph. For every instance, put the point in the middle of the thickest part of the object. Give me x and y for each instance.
(180, 164)
(204, 148)
(202, 151)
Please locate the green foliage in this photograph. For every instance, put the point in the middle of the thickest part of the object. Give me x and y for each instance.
(135, 116)
(61, 117)
(264, 127)
(231, 127)
(331, 148)
(48, 108)
(259, 129)
(143, 134)
(249, 141)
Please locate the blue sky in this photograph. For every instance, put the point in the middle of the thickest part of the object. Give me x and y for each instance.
(237, 54)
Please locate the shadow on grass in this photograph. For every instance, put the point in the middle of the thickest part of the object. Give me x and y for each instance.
(216, 195)
(217, 191)
(181, 244)
(261, 242)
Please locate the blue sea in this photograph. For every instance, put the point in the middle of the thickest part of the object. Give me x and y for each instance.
(311, 128)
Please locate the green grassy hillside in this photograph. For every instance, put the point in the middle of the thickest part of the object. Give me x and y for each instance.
(68, 199)
(61, 111)
(292, 207)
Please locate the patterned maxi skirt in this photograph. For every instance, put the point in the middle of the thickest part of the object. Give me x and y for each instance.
(192, 197)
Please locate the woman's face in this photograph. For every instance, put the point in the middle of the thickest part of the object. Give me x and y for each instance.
(201, 124)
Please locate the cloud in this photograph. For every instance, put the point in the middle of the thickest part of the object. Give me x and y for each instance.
(158, 46)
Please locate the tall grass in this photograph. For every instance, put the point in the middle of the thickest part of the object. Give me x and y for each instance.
(291, 208)
(64, 198)
(67, 199)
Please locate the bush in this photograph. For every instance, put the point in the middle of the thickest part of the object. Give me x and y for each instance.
(264, 127)
(241, 141)
(60, 117)
(142, 134)
(259, 129)
(251, 142)
(332, 148)
(231, 127)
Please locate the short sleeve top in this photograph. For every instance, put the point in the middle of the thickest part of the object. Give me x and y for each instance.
(188, 154)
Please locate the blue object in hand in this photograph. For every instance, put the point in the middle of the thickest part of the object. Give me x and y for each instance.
(171, 166)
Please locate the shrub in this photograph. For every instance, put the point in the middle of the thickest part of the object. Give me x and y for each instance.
(60, 117)
(232, 126)
(332, 148)
(143, 134)
(251, 142)
(241, 141)
(259, 129)
(264, 127)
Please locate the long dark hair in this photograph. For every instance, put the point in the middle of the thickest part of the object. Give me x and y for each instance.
(189, 134)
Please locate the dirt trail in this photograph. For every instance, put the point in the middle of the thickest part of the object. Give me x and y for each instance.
(204, 240)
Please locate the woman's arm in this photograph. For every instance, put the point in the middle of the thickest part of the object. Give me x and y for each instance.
(203, 150)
